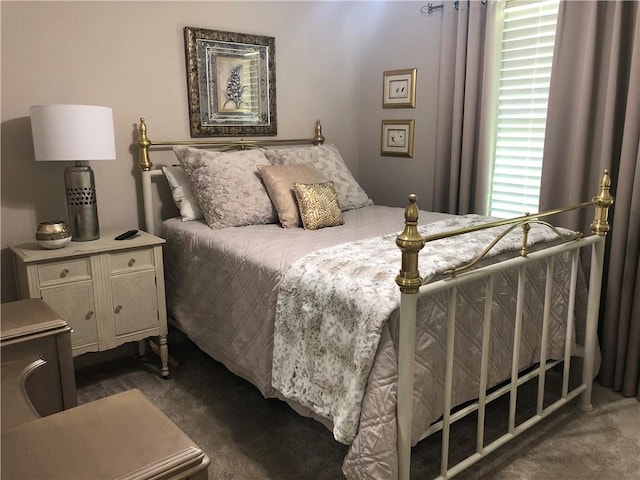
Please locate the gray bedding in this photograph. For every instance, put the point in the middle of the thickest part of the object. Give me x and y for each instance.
(222, 285)
(222, 288)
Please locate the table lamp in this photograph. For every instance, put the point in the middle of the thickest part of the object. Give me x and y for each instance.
(75, 133)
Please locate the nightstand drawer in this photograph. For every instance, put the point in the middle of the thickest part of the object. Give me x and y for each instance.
(131, 259)
(70, 270)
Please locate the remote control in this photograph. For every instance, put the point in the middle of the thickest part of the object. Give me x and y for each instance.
(125, 235)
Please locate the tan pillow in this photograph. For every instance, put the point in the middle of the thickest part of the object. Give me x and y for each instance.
(318, 205)
(279, 182)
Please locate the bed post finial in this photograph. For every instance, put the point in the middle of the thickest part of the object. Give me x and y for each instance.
(143, 145)
(604, 200)
(410, 242)
(318, 138)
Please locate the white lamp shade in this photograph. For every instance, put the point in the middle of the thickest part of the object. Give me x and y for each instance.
(72, 133)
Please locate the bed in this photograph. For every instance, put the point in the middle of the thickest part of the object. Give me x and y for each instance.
(385, 324)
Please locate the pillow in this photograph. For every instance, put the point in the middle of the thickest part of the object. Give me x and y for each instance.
(319, 206)
(279, 182)
(182, 193)
(227, 186)
(331, 166)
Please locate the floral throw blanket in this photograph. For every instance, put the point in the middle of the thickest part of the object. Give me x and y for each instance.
(333, 303)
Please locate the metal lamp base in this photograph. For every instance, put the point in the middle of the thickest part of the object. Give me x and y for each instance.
(82, 209)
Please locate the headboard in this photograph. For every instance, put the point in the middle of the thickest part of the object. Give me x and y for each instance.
(145, 145)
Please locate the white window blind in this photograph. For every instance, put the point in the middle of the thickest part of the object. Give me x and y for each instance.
(525, 71)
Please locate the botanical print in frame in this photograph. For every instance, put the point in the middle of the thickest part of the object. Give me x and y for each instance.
(397, 138)
(399, 89)
(231, 82)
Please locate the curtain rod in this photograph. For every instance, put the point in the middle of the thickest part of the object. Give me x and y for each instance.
(429, 8)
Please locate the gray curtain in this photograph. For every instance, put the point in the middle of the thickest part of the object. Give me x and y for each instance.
(468, 61)
(593, 123)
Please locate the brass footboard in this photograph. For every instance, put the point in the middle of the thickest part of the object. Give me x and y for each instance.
(410, 242)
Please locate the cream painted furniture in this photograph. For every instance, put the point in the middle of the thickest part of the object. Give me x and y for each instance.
(37, 372)
(109, 291)
(122, 436)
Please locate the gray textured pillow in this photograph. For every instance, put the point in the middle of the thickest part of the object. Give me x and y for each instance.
(330, 165)
(279, 182)
(227, 186)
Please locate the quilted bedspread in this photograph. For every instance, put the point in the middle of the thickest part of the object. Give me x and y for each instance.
(333, 303)
(222, 291)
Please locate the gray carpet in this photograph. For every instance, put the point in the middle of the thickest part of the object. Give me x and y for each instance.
(250, 438)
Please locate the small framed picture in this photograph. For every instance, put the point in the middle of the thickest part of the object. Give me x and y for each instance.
(399, 89)
(397, 138)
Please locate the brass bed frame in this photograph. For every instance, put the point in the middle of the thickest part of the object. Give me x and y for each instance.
(410, 242)
(411, 286)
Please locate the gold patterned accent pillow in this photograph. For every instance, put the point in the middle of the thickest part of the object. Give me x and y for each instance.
(318, 204)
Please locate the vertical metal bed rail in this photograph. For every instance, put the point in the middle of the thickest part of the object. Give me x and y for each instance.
(410, 243)
(448, 379)
(593, 308)
(575, 258)
(544, 335)
(405, 381)
(484, 364)
(145, 168)
(599, 227)
(515, 356)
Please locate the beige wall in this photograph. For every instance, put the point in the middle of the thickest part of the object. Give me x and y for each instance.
(403, 39)
(130, 56)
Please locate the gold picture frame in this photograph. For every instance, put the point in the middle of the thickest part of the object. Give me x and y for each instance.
(397, 138)
(231, 82)
(399, 88)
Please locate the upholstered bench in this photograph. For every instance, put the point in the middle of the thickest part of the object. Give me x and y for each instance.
(123, 436)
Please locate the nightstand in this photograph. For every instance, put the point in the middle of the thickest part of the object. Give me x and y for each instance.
(110, 292)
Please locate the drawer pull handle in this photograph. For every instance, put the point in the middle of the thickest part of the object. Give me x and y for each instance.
(64, 273)
(118, 308)
(89, 315)
(131, 262)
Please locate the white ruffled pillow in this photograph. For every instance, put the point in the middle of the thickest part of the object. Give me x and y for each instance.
(182, 193)
(227, 186)
(329, 163)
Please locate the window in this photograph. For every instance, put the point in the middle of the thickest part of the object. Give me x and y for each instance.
(525, 70)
